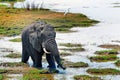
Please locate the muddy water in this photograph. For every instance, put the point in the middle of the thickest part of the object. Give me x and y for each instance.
(106, 11)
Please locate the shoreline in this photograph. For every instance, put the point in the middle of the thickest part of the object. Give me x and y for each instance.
(14, 20)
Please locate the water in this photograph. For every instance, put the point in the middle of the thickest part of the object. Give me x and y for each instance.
(103, 33)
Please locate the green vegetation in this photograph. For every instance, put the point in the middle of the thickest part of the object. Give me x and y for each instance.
(117, 63)
(14, 64)
(8, 0)
(13, 55)
(37, 75)
(103, 58)
(106, 52)
(76, 49)
(85, 77)
(36, 71)
(65, 53)
(13, 20)
(105, 55)
(3, 71)
(15, 40)
(76, 64)
(106, 71)
(110, 46)
(2, 6)
(10, 31)
(70, 45)
(1, 77)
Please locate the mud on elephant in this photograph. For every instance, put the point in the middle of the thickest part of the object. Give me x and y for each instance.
(37, 39)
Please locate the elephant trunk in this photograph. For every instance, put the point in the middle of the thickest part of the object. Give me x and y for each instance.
(51, 46)
(57, 58)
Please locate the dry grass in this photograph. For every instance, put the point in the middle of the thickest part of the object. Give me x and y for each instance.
(11, 18)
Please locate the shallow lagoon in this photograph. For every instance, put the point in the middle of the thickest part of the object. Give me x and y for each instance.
(103, 33)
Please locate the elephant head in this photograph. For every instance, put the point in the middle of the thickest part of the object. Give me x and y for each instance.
(43, 38)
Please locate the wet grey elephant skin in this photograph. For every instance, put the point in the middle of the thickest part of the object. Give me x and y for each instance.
(37, 39)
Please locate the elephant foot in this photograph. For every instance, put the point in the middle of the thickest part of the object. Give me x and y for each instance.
(38, 67)
(53, 71)
(24, 61)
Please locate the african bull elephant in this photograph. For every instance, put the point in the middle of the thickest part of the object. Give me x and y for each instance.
(37, 39)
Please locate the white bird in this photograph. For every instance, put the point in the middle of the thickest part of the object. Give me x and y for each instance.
(67, 11)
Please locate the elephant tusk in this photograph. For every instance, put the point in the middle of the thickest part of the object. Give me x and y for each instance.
(46, 51)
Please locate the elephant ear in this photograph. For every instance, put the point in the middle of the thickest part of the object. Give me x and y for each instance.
(34, 41)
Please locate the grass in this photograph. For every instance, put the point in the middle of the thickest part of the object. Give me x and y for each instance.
(106, 71)
(70, 45)
(76, 64)
(10, 31)
(36, 71)
(103, 58)
(106, 52)
(13, 55)
(15, 40)
(110, 46)
(3, 71)
(36, 74)
(37, 77)
(117, 63)
(76, 49)
(65, 53)
(13, 20)
(1, 77)
(13, 64)
(85, 77)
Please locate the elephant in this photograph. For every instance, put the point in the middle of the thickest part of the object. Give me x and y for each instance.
(39, 38)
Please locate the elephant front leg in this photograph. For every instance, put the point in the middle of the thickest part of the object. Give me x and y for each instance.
(50, 61)
(38, 60)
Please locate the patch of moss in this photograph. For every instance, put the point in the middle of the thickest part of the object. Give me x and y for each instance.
(3, 6)
(76, 64)
(103, 58)
(75, 49)
(106, 52)
(65, 53)
(36, 71)
(15, 40)
(85, 77)
(117, 63)
(110, 46)
(13, 64)
(69, 22)
(3, 71)
(10, 31)
(38, 77)
(36, 74)
(106, 71)
(13, 55)
(60, 29)
(70, 45)
(1, 77)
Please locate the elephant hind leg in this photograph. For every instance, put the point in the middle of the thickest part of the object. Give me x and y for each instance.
(25, 56)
